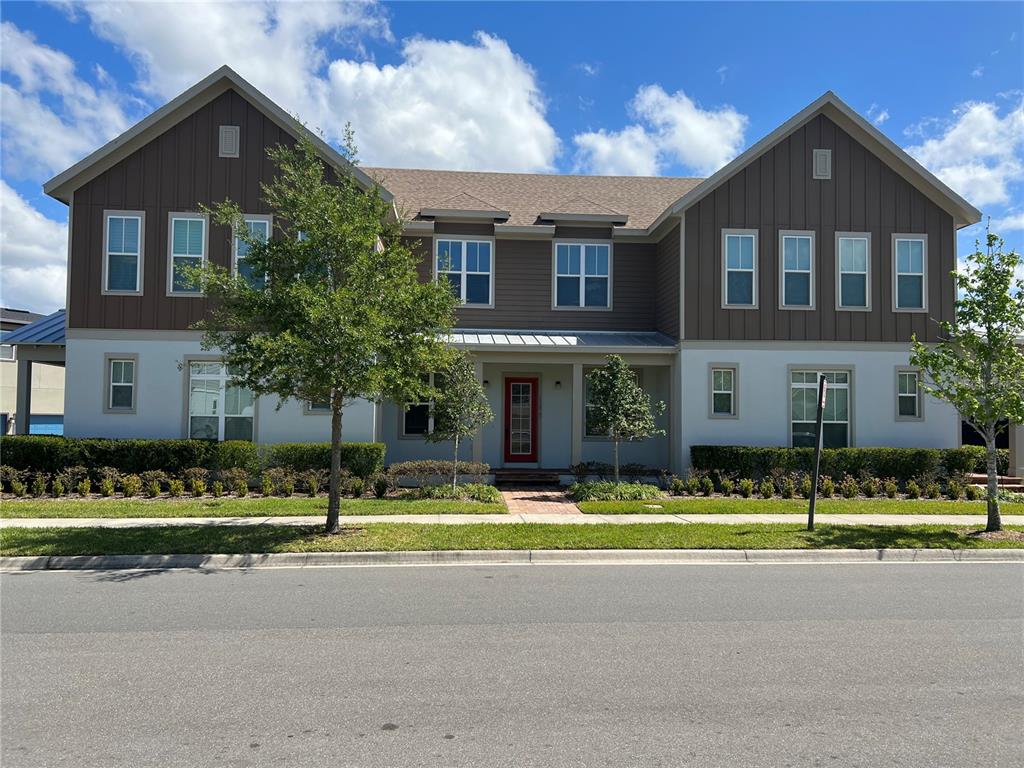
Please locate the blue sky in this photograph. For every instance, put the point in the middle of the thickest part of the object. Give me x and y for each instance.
(659, 88)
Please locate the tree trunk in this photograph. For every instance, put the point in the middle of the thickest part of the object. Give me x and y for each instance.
(455, 466)
(995, 522)
(334, 490)
(616, 462)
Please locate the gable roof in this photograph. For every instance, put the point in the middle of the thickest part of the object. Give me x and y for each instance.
(463, 203)
(177, 109)
(841, 114)
(526, 196)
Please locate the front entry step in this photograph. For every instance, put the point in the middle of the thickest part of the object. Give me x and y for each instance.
(526, 478)
(1010, 483)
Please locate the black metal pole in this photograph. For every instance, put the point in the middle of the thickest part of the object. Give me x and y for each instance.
(817, 451)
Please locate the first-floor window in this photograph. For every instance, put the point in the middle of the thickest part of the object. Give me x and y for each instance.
(466, 265)
(122, 385)
(589, 430)
(723, 391)
(835, 425)
(418, 418)
(908, 395)
(316, 406)
(582, 273)
(218, 409)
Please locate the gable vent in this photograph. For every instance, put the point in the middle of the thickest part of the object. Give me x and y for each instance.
(823, 163)
(229, 135)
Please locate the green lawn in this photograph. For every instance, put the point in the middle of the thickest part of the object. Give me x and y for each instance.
(738, 506)
(377, 537)
(235, 507)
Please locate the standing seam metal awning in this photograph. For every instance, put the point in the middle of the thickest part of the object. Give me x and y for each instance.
(46, 330)
(565, 341)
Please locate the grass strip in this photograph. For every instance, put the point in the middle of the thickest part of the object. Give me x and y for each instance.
(738, 506)
(235, 507)
(393, 537)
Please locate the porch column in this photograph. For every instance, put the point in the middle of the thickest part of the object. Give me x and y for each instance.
(1017, 450)
(23, 399)
(675, 417)
(577, 413)
(478, 436)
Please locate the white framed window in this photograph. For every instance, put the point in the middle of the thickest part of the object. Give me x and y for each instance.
(218, 409)
(796, 270)
(122, 259)
(589, 431)
(908, 395)
(722, 397)
(582, 275)
(467, 265)
(186, 248)
(910, 273)
(418, 417)
(835, 424)
(739, 268)
(121, 391)
(259, 227)
(853, 270)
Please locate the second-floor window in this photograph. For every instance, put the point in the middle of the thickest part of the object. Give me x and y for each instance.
(259, 227)
(739, 268)
(910, 270)
(797, 284)
(467, 266)
(123, 261)
(188, 249)
(582, 275)
(853, 264)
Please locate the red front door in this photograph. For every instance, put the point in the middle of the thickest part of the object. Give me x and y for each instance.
(521, 395)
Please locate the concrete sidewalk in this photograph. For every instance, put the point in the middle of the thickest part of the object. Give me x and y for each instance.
(546, 518)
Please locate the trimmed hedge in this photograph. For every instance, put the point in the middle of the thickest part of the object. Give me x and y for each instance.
(903, 464)
(361, 459)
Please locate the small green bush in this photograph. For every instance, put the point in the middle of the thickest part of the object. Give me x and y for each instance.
(932, 490)
(766, 488)
(424, 471)
(8, 476)
(84, 487)
(360, 459)
(106, 487)
(693, 484)
(197, 488)
(153, 489)
(890, 488)
(707, 486)
(973, 492)
(313, 480)
(469, 491)
(827, 486)
(355, 487)
(913, 490)
(175, 488)
(267, 484)
(805, 486)
(18, 487)
(725, 485)
(57, 487)
(131, 485)
(677, 487)
(849, 487)
(216, 489)
(787, 489)
(192, 474)
(608, 491)
(870, 487)
(381, 486)
(39, 482)
(746, 487)
(153, 477)
(954, 490)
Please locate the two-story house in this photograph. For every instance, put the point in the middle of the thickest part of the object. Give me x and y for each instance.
(822, 248)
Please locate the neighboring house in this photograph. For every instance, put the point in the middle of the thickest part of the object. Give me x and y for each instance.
(820, 249)
(45, 381)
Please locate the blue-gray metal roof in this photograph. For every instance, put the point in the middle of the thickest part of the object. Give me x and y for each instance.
(48, 330)
(563, 341)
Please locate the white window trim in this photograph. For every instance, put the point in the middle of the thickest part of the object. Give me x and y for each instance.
(554, 274)
(14, 353)
(430, 417)
(463, 239)
(924, 276)
(783, 234)
(108, 389)
(725, 270)
(903, 369)
(141, 216)
(224, 378)
(735, 368)
(839, 274)
(247, 217)
(820, 369)
(171, 217)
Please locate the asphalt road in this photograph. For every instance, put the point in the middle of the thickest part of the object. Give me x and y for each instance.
(704, 665)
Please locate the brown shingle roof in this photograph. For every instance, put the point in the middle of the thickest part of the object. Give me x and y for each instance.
(525, 195)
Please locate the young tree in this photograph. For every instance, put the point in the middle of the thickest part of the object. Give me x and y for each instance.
(978, 366)
(620, 407)
(460, 405)
(337, 311)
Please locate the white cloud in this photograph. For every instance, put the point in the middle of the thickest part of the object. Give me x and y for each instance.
(722, 72)
(1009, 222)
(669, 129)
(50, 117)
(979, 70)
(34, 261)
(588, 69)
(978, 153)
(877, 114)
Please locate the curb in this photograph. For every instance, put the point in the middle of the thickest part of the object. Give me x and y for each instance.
(506, 557)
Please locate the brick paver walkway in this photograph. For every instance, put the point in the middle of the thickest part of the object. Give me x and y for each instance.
(539, 503)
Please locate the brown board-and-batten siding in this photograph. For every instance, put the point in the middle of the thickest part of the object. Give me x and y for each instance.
(176, 172)
(522, 274)
(666, 288)
(777, 192)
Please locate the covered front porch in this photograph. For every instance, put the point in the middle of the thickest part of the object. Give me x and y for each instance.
(536, 386)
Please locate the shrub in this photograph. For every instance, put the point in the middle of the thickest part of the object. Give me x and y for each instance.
(633, 472)
(355, 487)
(361, 459)
(870, 487)
(57, 487)
(805, 486)
(153, 489)
(973, 492)
(677, 487)
(954, 489)
(608, 491)
(931, 490)
(579, 471)
(267, 484)
(381, 486)
(39, 482)
(788, 488)
(890, 488)
(471, 491)
(9, 475)
(52, 454)
(175, 488)
(84, 487)
(913, 490)
(153, 477)
(826, 486)
(131, 485)
(422, 471)
(767, 488)
(197, 488)
(70, 477)
(234, 478)
(746, 487)
(18, 487)
(693, 484)
(707, 486)
(725, 485)
(849, 487)
(217, 489)
(108, 473)
(192, 474)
